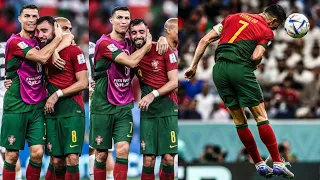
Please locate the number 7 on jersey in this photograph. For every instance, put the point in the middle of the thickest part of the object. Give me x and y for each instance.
(244, 25)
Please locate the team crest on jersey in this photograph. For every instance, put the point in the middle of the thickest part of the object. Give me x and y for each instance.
(39, 68)
(81, 59)
(112, 47)
(11, 139)
(173, 58)
(143, 145)
(49, 146)
(22, 45)
(155, 64)
(99, 140)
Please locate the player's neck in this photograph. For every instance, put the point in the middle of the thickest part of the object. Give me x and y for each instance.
(117, 36)
(173, 44)
(265, 16)
(26, 35)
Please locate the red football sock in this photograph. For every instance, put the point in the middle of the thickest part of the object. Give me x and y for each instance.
(147, 173)
(160, 170)
(72, 176)
(249, 143)
(99, 170)
(120, 169)
(49, 175)
(9, 172)
(167, 173)
(33, 171)
(268, 138)
(72, 173)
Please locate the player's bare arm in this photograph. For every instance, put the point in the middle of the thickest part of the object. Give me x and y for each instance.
(81, 84)
(44, 54)
(66, 41)
(133, 59)
(203, 44)
(170, 86)
(257, 54)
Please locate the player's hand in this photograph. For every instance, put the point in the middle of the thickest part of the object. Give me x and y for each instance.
(57, 30)
(146, 101)
(162, 45)
(190, 73)
(7, 83)
(49, 107)
(93, 84)
(57, 61)
(148, 44)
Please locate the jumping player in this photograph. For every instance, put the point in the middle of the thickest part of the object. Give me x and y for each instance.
(243, 41)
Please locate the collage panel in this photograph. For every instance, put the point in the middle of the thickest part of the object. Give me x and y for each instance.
(127, 66)
(256, 54)
(44, 46)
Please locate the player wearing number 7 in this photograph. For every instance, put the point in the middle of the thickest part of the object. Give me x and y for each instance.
(243, 40)
(158, 77)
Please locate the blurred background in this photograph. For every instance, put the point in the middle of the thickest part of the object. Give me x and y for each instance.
(289, 78)
(77, 12)
(155, 12)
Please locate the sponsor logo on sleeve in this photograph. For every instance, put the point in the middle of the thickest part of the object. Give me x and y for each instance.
(22, 45)
(81, 59)
(173, 58)
(112, 47)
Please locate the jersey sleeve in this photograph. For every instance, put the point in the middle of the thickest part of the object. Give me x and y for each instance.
(266, 38)
(78, 60)
(19, 48)
(109, 50)
(218, 28)
(171, 60)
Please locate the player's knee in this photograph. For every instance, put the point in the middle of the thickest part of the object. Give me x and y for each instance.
(167, 159)
(36, 155)
(73, 159)
(101, 156)
(149, 160)
(122, 150)
(58, 163)
(12, 156)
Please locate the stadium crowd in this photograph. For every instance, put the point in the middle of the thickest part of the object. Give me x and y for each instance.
(288, 75)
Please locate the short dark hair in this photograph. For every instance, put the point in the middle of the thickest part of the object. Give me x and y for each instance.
(276, 11)
(49, 19)
(119, 8)
(137, 21)
(28, 6)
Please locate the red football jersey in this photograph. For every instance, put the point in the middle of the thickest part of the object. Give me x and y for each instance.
(243, 26)
(75, 62)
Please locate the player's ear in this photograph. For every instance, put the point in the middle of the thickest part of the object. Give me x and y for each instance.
(19, 18)
(111, 20)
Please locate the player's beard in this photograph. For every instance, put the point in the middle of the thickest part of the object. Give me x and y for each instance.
(43, 44)
(141, 44)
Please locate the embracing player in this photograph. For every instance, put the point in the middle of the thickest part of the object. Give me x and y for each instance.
(158, 77)
(243, 41)
(24, 101)
(112, 98)
(110, 160)
(65, 120)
